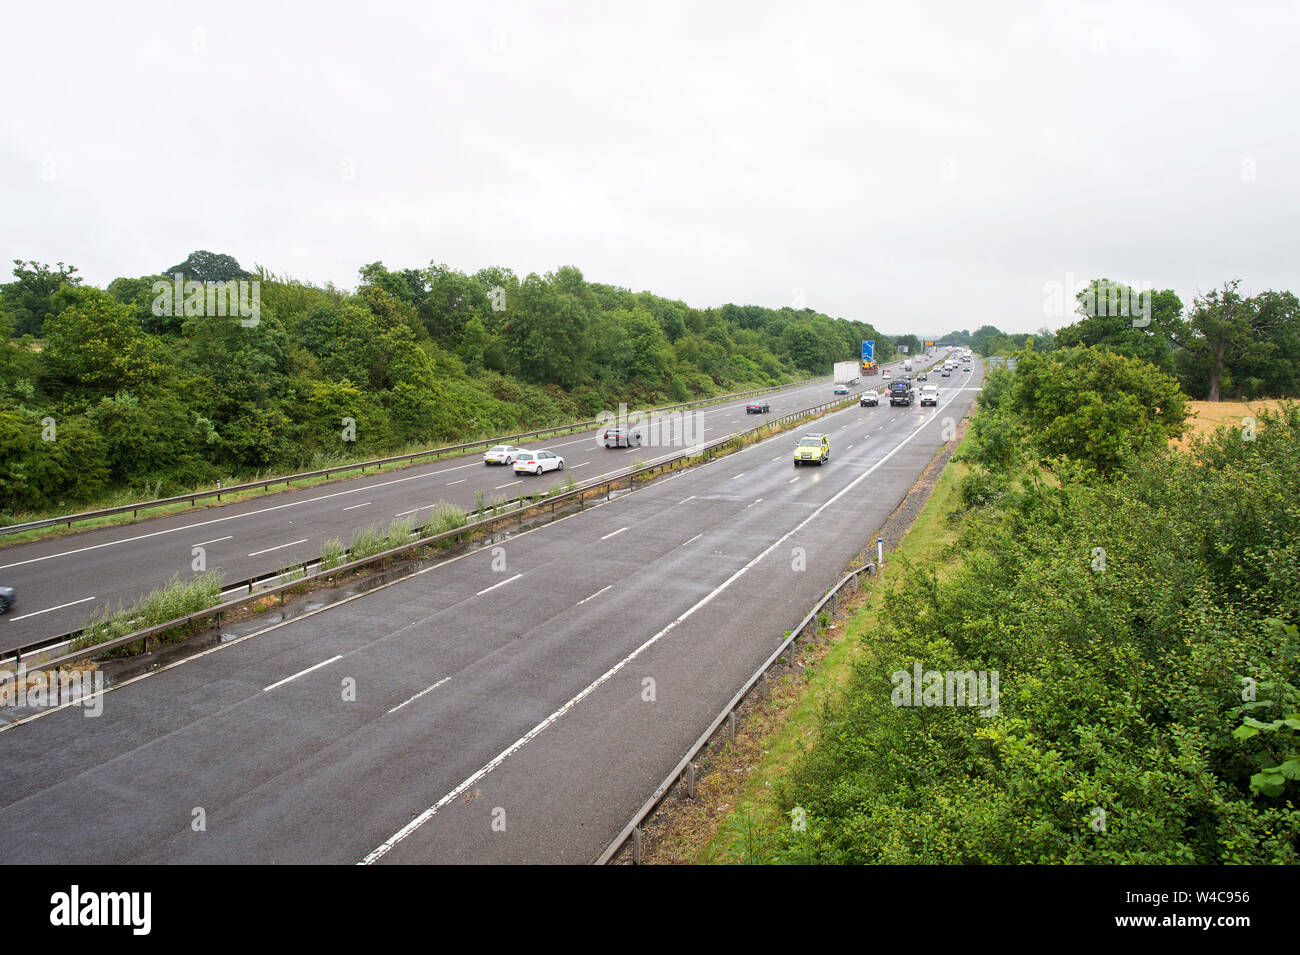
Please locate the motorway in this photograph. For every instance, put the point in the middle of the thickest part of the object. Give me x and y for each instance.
(514, 704)
(59, 581)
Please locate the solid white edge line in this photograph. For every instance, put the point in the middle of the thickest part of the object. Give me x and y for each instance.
(323, 663)
(518, 744)
(4, 727)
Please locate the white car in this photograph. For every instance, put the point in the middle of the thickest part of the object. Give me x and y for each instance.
(535, 462)
(886, 374)
(502, 454)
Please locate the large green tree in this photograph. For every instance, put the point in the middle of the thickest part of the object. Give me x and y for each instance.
(549, 328)
(96, 347)
(1132, 322)
(31, 298)
(1226, 334)
(1090, 406)
(204, 266)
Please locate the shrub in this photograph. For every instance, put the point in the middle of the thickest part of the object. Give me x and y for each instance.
(176, 598)
(367, 542)
(332, 554)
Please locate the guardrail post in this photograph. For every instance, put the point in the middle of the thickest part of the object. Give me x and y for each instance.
(636, 845)
(690, 779)
(731, 727)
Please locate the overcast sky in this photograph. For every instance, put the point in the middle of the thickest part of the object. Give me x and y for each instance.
(924, 167)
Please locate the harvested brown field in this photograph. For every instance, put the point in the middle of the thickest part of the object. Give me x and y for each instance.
(1205, 417)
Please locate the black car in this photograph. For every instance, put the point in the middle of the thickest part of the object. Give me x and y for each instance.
(757, 409)
(621, 437)
(7, 598)
(922, 377)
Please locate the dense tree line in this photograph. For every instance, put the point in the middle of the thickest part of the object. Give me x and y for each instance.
(1226, 345)
(1139, 607)
(118, 388)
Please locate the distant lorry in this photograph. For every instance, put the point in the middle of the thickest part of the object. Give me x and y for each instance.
(846, 373)
(907, 364)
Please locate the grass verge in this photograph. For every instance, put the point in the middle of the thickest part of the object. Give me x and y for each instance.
(177, 598)
(740, 799)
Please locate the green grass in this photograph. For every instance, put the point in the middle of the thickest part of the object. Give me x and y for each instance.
(929, 542)
(399, 532)
(332, 554)
(367, 542)
(444, 517)
(176, 598)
